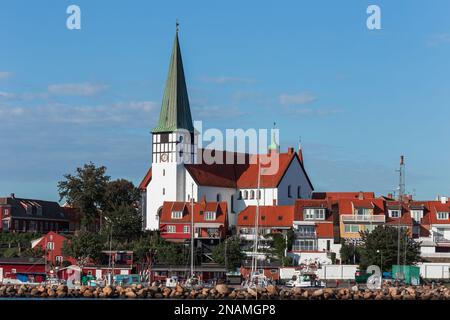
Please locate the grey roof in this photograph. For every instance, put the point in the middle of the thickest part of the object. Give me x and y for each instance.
(38, 209)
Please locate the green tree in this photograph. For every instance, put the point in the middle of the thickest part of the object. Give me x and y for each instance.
(229, 255)
(380, 247)
(84, 246)
(123, 222)
(85, 191)
(120, 192)
(349, 253)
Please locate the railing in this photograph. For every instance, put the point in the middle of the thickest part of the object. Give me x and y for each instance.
(440, 239)
(304, 248)
(362, 218)
(305, 234)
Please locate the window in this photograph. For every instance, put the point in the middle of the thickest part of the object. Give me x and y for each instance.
(306, 231)
(164, 172)
(5, 212)
(171, 229)
(59, 259)
(394, 213)
(177, 214)
(210, 215)
(50, 245)
(164, 191)
(314, 214)
(164, 138)
(417, 215)
(299, 192)
(289, 191)
(240, 195)
(351, 228)
(16, 224)
(258, 194)
(218, 197)
(245, 194)
(363, 211)
(304, 245)
(369, 228)
(252, 194)
(442, 215)
(232, 203)
(186, 229)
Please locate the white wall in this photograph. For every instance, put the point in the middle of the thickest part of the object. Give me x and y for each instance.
(435, 270)
(337, 272)
(295, 177)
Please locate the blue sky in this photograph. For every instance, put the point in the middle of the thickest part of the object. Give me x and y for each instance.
(358, 98)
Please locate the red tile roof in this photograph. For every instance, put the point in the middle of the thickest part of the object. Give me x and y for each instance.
(433, 208)
(301, 204)
(324, 230)
(148, 177)
(342, 195)
(220, 208)
(269, 216)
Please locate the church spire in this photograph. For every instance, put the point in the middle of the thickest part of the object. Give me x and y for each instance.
(175, 111)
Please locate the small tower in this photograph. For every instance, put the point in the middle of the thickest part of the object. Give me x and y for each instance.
(173, 142)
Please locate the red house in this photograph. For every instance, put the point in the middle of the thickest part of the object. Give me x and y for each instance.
(23, 269)
(52, 244)
(210, 220)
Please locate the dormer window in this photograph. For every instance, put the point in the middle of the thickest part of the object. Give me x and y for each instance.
(252, 194)
(394, 213)
(442, 215)
(240, 195)
(314, 214)
(245, 194)
(210, 215)
(177, 214)
(417, 215)
(362, 211)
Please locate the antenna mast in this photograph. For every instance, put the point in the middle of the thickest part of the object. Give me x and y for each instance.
(401, 195)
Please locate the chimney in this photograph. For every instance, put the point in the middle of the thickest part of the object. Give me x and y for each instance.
(444, 200)
(360, 195)
(13, 195)
(290, 150)
(390, 196)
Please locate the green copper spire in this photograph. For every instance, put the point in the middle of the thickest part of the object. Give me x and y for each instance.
(175, 111)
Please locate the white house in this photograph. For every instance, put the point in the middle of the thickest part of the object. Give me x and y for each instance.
(178, 172)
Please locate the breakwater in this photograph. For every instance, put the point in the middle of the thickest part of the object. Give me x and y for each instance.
(221, 291)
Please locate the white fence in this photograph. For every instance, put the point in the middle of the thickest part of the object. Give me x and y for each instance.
(326, 272)
(435, 270)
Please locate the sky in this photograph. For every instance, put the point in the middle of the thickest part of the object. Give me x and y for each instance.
(357, 98)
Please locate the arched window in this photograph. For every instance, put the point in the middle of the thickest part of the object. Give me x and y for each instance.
(289, 191)
(218, 197)
(252, 194)
(259, 194)
(245, 194)
(240, 195)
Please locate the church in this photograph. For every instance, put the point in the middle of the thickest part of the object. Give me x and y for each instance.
(178, 172)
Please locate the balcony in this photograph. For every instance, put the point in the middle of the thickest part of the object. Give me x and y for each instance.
(363, 218)
(441, 240)
(309, 235)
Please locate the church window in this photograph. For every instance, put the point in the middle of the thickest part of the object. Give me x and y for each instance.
(299, 192)
(164, 172)
(289, 191)
(218, 197)
(164, 191)
(164, 138)
(259, 194)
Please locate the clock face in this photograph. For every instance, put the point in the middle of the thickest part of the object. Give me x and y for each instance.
(164, 157)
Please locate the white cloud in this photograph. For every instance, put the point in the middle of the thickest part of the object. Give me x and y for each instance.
(226, 80)
(119, 113)
(217, 112)
(310, 111)
(76, 89)
(438, 39)
(298, 98)
(5, 75)
(6, 95)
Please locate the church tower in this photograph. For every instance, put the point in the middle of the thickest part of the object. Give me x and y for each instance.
(173, 142)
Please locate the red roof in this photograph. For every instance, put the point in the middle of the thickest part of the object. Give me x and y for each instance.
(269, 216)
(342, 195)
(220, 208)
(148, 177)
(324, 230)
(301, 204)
(243, 175)
(436, 206)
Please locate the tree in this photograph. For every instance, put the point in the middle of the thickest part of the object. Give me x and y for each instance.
(120, 192)
(349, 253)
(123, 222)
(85, 191)
(380, 247)
(84, 246)
(232, 257)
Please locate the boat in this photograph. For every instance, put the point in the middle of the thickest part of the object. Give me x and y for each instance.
(172, 282)
(305, 279)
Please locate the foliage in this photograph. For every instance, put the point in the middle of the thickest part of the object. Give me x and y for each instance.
(279, 242)
(233, 255)
(380, 247)
(118, 193)
(85, 191)
(84, 246)
(349, 253)
(124, 223)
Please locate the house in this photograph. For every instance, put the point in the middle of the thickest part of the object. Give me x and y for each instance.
(30, 215)
(210, 221)
(435, 231)
(22, 269)
(51, 244)
(316, 231)
(179, 171)
(271, 220)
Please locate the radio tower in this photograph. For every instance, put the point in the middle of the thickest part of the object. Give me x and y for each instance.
(401, 195)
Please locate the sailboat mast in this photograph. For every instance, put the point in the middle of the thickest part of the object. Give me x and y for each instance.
(192, 230)
(255, 244)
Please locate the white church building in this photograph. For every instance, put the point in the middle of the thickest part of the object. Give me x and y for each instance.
(179, 173)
